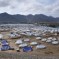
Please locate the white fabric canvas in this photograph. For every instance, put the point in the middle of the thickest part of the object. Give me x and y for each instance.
(40, 46)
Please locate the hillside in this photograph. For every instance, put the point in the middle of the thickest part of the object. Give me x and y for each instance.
(7, 18)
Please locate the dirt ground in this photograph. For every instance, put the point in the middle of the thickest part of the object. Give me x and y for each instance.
(51, 50)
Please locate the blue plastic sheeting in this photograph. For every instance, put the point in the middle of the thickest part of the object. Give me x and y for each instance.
(4, 42)
(7, 47)
(26, 49)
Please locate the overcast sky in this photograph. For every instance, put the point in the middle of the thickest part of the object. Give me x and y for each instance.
(47, 7)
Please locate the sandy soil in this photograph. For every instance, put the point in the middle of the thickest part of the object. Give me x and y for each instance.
(51, 50)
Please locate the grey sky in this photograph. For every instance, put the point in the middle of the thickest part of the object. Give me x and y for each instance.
(47, 7)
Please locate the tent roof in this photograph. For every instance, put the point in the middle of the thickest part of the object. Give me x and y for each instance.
(40, 46)
(55, 42)
(1, 36)
(26, 40)
(33, 43)
(50, 38)
(54, 39)
(7, 47)
(38, 38)
(48, 41)
(23, 45)
(26, 49)
(18, 42)
(44, 39)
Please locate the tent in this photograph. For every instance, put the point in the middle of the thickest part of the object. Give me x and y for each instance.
(49, 40)
(43, 34)
(19, 41)
(0, 49)
(33, 43)
(5, 47)
(54, 39)
(38, 38)
(4, 42)
(17, 49)
(36, 34)
(44, 39)
(52, 31)
(26, 49)
(55, 42)
(14, 35)
(1, 36)
(11, 36)
(55, 34)
(40, 46)
(28, 34)
(26, 40)
(23, 45)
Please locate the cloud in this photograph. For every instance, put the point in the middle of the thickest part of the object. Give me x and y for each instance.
(47, 2)
(4, 3)
(47, 7)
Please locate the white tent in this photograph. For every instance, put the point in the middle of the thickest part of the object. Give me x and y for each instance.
(26, 40)
(19, 41)
(52, 31)
(13, 35)
(33, 43)
(44, 39)
(36, 34)
(1, 36)
(49, 40)
(55, 34)
(38, 38)
(22, 33)
(40, 46)
(23, 45)
(43, 34)
(28, 34)
(54, 39)
(55, 42)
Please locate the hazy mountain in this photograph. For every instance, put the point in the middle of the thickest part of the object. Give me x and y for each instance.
(7, 18)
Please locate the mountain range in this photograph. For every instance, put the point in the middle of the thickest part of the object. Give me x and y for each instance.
(6, 18)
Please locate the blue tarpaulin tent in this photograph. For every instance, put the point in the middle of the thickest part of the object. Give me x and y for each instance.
(4, 42)
(26, 49)
(5, 47)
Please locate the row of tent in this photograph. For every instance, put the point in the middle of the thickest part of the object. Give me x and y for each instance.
(5, 47)
(29, 48)
(52, 40)
(25, 47)
(13, 35)
(20, 41)
(21, 44)
(31, 32)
